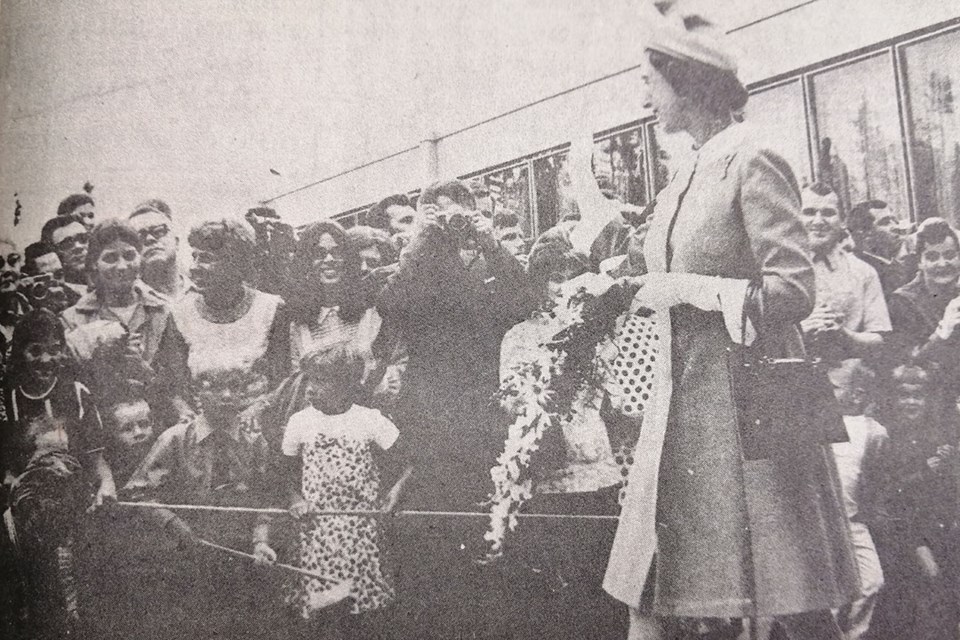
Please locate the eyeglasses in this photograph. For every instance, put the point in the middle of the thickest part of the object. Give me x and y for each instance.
(12, 260)
(320, 254)
(156, 232)
(38, 350)
(78, 240)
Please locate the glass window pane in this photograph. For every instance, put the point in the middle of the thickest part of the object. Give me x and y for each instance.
(935, 125)
(552, 183)
(619, 164)
(778, 118)
(858, 121)
(669, 150)
(510, 191)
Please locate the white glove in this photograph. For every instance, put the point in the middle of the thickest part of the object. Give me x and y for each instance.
(709, 293)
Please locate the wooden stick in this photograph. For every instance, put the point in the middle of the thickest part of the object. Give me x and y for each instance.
(371, 513)
(279, 565)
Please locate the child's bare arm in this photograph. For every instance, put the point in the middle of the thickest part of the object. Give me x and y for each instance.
(291, 474)
(393, 495)
(106, 488)
(262, 550)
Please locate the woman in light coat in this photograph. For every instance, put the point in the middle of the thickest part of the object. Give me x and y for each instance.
(707, 532)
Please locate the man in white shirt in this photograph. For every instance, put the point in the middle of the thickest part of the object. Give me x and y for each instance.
(850, 316)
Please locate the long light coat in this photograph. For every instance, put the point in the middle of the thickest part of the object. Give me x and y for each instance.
(733, 537)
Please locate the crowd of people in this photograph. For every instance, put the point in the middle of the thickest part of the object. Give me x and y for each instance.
(314, 368)
(294, 436)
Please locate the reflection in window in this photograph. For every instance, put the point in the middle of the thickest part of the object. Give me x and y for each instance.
(553, 190)
(932, 74)
(777, 117)
(669, 151)
(619, 166)
(510, 191)
(860, 150)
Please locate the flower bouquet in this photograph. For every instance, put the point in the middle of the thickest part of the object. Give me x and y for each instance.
(542, 388)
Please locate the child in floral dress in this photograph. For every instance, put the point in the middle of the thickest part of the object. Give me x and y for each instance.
(335, 442)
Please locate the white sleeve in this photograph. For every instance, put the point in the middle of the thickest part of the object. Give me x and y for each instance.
(383, 431)
(293, 436)
(709, 293)
(876, 317)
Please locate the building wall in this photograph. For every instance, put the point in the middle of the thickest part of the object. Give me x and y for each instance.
(781, 40)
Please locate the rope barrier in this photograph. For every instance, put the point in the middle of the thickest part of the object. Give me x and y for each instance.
(370, 513)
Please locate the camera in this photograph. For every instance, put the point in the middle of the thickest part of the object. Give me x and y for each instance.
(43, 291)
(457, 224)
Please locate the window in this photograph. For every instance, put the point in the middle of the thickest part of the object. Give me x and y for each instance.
(619, 168)
(931, 75)
(619, 164)
(860, 149)
(778, 117)
(510, 191)
(668, 150)
(552, 185)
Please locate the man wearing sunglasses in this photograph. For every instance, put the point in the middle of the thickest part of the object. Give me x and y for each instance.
(160, 271)
(69, 237)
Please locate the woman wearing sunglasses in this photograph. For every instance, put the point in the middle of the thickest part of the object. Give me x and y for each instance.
(328, 304)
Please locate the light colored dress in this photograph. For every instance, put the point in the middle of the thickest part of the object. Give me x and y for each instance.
(339, 473)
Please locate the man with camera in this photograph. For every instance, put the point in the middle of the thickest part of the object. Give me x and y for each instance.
(42, 283)
(456, 293)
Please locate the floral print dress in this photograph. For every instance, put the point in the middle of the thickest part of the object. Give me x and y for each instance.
(339, 473)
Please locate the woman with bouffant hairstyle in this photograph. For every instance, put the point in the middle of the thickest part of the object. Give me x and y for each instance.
(236, 334)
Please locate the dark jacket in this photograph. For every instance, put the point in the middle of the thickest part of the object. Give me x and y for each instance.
(452, 318)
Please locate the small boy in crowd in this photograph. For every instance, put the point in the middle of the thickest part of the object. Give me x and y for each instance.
(47, 409)
(861, 463)
(123, 564)
(918, 549)
(213, 459)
